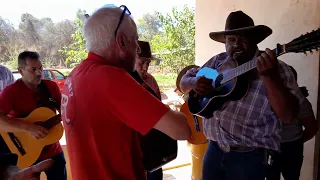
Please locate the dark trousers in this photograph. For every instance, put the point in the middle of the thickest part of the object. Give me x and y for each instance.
(155, 175)
(58, 170)
(288, 162)
(218, 165)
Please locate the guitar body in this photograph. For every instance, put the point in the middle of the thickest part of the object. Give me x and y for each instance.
(197, 135)
(33, 146)
(233, 90)
(158, 149)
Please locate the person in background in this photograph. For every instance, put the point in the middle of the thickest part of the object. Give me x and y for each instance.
(293, 136)
(105, 110)
(20, 98)
(142, 65)
(8, 161)
(6, 77)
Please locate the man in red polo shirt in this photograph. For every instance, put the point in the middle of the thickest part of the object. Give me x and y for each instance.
(23, 96)
(104, 108)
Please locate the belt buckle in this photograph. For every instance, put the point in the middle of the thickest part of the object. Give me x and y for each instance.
(225, 148)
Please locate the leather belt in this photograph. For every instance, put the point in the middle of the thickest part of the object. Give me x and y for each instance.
(226, 148)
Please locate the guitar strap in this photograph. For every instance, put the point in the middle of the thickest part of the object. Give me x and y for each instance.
(46, 98)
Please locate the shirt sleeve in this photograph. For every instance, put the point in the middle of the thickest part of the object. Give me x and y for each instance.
(305, 109)
(132, 104)
(290, 82)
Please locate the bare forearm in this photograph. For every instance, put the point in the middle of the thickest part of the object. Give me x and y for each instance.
(283, 103)
(11, 125)
(8, 172)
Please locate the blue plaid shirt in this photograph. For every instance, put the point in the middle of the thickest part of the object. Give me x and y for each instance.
(249, 121)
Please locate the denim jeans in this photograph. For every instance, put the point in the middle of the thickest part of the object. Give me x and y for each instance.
(233, 165)
(288, 162)
(58, 170)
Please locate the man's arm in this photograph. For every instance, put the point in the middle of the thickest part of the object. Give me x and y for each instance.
(10, 171)
(283, 102)
(142, 111)
(8, 124)
(308, 120)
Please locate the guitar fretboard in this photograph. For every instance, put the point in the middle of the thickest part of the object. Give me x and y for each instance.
(241, 69)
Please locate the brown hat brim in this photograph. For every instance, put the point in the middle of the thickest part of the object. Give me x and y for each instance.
(258, 33)
(181, 73)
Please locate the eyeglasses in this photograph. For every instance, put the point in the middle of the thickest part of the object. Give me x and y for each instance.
(125, 11)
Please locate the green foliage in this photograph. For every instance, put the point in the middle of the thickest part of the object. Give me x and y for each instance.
(76, 52)
(148, 26)
(165, 81)
(176, 45)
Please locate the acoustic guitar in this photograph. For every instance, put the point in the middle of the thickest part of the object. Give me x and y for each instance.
(195, 124)
(29, 148)
(232, 84)
(158, 149)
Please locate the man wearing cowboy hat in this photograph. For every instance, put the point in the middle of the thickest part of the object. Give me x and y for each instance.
(244, 133)
(142, 65)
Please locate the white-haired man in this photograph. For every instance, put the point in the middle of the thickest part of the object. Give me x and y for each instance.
(102, 104)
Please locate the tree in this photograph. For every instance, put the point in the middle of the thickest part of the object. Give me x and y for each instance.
(176, 45)
(148, 26)
(76, 52)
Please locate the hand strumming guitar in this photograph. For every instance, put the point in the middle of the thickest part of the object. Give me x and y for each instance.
(36, 131)
(202, 86)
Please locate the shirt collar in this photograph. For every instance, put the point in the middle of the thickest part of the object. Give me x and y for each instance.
(96, 57)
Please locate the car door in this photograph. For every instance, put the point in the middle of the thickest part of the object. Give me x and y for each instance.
(47, 75)
(59, 78)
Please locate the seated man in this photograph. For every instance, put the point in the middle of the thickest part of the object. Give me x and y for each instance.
(8, 161)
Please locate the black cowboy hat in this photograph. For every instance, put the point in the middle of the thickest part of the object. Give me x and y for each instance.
(145, 51)
(239, 23)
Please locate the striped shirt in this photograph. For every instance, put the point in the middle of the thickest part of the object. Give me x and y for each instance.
(6, 77)
(249, 121)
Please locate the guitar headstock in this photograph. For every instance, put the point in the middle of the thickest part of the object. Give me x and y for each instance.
(305, 43)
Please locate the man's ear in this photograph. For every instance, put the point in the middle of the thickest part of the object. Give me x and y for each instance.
(20, 70)
(122, 40)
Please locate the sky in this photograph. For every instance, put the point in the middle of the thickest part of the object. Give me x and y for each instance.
(59, 10)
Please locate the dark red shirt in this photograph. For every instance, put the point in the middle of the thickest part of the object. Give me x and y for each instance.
(18, 101)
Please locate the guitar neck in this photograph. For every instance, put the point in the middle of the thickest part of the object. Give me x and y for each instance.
(50, 123)
(248, 66)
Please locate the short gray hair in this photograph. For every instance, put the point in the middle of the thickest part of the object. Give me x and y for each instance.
(99, 28)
